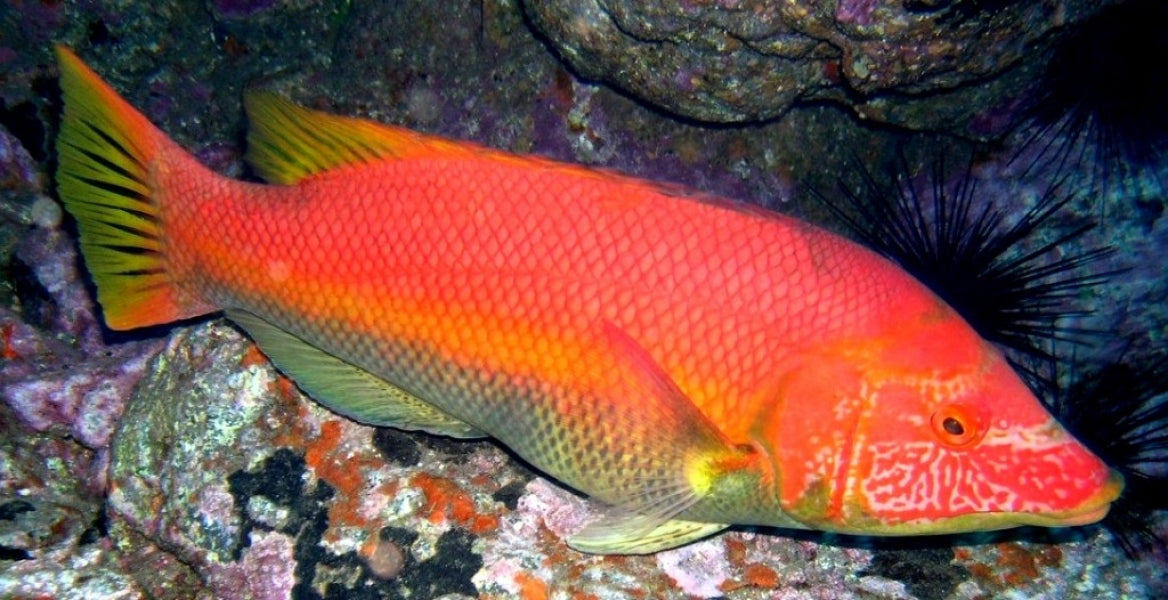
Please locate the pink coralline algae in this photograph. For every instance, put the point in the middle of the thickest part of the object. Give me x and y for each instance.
(70, 383)
(700, 569)
(17, 168)
(857, 12)
(85, 401)
(265, 572)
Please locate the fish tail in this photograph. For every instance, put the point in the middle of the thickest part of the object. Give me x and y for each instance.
(108, 154)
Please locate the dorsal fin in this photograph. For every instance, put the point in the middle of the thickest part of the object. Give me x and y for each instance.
(287, 142)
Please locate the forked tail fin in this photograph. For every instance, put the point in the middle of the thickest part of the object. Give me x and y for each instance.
(107, 152)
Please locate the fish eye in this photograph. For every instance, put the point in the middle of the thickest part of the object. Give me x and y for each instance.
(958, 425)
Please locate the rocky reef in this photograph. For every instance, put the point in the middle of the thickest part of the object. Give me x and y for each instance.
(907, 63)
(177, 463)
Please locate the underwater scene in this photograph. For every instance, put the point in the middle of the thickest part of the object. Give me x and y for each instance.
(583, 299)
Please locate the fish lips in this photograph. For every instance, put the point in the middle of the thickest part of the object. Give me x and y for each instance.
(1092, 510)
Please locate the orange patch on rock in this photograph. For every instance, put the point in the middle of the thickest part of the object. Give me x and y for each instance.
(446, 502)
(1022, 564)
(7, 351)
(321, 455)
(735, 550)
(531, 587)
(761, 576)
(285, 386)
(484, 523)
(1015, 564)
(344, 472)
(252, 356)
(755, 575)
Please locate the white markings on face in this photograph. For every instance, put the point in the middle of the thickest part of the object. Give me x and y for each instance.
(1038, 439)
(926, 478)
(1034, 470)
(820, 466)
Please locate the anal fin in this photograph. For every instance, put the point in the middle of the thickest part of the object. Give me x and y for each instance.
(346, 388)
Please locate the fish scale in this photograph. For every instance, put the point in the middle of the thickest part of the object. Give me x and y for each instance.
(693, 362)
(443, 261)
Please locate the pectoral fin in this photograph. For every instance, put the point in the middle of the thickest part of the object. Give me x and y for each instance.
(346, 388)
(655, 454)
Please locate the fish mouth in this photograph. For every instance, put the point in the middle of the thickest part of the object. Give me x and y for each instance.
(1090, 511)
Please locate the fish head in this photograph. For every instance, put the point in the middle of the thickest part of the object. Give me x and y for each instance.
(928, 430)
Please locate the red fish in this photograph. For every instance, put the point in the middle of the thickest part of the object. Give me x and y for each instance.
(691, 361)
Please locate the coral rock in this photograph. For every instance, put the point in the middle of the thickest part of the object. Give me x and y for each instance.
(752, 59)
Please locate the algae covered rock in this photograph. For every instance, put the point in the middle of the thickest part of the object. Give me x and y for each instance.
(907, 63)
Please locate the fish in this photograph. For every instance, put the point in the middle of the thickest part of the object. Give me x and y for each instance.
(689, 362)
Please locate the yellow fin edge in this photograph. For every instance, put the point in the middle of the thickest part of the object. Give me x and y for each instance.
(106, 150)
(287, 142)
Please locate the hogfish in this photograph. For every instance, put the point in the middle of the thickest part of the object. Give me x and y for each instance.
(691, 361)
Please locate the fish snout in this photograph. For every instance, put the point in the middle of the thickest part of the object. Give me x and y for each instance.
(1091, 510)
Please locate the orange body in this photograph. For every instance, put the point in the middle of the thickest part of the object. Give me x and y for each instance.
(694, 361)
(509, 267)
